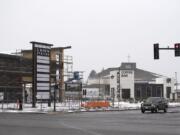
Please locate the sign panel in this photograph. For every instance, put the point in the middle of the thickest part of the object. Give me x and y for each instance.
(41, 70)
(42, 95)
(73, 86)
(126, 73)
(118, 85)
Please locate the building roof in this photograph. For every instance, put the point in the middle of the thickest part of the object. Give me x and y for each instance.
(105, 72)
(140, 75)
(9, 56)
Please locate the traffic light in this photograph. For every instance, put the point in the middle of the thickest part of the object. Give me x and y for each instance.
(177, 49)
(156, 51)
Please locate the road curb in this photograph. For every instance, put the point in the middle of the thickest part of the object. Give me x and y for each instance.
(72, 111)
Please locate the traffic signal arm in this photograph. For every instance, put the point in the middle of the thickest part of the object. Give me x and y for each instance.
(176, 50)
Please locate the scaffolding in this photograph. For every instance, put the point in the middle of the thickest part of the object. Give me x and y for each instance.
(68, 67)
(64, 71)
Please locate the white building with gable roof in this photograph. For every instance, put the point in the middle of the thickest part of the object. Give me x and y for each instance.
(129, 82)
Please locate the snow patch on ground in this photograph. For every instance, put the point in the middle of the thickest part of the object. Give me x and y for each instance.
(70, 107)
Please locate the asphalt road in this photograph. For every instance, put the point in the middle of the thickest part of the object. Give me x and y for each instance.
(92, 123)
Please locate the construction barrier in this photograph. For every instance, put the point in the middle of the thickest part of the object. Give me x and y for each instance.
(95, 104)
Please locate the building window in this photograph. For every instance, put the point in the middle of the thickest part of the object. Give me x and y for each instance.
(107, 90)
(168, 92)
(143, 91)
(112, 92)
(138, 93)
(149, 91)
(159, 92)
(118, 77)
(168, 80)
(125, 93)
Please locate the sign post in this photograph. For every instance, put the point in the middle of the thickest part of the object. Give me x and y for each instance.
(41, 72)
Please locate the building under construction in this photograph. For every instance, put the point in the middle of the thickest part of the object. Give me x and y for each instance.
(16, 74)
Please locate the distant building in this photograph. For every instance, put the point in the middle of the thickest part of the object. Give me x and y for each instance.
(129, 82)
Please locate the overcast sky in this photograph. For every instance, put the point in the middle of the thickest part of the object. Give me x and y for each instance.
(102, 33)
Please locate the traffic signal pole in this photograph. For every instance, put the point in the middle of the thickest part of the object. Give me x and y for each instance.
(176, 50)
(166, 48)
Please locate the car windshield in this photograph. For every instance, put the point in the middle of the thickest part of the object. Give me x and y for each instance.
(153, 99)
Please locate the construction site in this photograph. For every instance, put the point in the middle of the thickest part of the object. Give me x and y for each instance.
(16, 71)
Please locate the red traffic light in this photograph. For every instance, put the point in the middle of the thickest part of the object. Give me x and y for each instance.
(177, 49)
(177, 45)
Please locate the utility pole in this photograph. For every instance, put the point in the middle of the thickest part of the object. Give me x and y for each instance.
(176, 81)
(119, 86)
(100, 85)
(55, 88)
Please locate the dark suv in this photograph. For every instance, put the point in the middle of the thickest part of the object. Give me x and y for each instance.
(154, 104)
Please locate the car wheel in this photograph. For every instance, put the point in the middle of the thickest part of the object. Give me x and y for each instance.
(143, 111)
(156, 109)
(165, 110)
(152, 111)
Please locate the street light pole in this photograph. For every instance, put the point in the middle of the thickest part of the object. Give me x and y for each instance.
(55, 88)
(176, 80)
(119, 86)
(100, 86)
